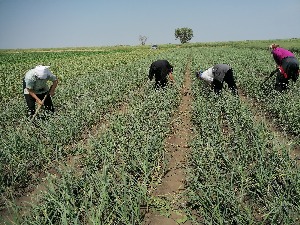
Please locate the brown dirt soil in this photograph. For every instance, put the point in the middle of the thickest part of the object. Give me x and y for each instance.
(171, 190)
(177, 148)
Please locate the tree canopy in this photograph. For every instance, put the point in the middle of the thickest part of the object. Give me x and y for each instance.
(184, 34)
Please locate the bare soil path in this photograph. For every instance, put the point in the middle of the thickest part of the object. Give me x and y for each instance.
(169, 198)
(171, 189)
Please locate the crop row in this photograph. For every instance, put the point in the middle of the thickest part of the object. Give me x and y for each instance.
(239, 172)
(66, 65)
(26, 149)
(251, 68)
(118, 166)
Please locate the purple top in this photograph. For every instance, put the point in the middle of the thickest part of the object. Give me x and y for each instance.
(280, 53)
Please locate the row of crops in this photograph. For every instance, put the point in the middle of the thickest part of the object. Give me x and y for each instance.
(239, 172)
(122, 160)
(27, 149)
(251, 68)
(67, 65)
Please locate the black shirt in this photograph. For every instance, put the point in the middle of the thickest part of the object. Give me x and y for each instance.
(160, 68)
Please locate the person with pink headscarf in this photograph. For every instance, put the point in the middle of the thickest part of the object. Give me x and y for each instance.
(287, 64)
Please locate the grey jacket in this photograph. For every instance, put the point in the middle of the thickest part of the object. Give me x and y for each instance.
(219, 71)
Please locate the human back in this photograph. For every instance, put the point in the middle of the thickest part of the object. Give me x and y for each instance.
(161, 70)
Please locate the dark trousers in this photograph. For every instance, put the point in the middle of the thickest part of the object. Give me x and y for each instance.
(290, 66)
(229, 80)
(281, 82)
(161, 83)
(30, 101)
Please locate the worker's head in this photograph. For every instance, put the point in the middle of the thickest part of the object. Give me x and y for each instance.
(273, 46)
(198, 74)
(41, 72)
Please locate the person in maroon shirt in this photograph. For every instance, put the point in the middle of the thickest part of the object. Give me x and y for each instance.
(161, 70)
(287, 64)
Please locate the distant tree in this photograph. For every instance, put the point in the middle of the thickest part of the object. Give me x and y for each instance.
(143, 39)
(184, 34)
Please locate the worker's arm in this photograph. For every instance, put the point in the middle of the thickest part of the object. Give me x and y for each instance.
(151, 73)
(277, 60)
(171, 77)
(275, 71)
(31, 92)
(53, 87)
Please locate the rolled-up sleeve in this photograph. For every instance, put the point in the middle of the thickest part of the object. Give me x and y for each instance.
(29, 80)
(29, 83)
(170, 67)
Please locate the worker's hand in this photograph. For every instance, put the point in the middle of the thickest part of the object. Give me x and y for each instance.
(171, 77)
(39, 102)
(172, 82)
(51, 93)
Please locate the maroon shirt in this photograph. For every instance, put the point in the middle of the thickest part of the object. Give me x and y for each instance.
(280, 53)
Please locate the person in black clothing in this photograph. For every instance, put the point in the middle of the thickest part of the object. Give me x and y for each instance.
(161, 70)
(217, 75)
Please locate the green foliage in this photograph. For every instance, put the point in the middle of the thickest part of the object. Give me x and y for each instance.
(117, 166)
(184, 34)
(66, 64)
(239, 171)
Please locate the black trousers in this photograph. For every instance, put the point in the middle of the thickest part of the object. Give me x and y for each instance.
(291, 67)
(161, 83)
(229, 80)
(281, 83)
(30, 101)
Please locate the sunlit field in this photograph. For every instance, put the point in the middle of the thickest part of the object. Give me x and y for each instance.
(95, 160)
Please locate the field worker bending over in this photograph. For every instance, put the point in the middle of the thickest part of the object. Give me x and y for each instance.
(36, 88)
(216, 76)
(161, 70)
(287, 66)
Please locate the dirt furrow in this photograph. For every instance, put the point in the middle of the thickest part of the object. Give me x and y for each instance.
(168, 197)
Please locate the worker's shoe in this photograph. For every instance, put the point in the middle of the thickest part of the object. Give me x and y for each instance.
(197, 74)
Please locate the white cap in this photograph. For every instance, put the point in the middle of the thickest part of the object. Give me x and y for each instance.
(42, 71)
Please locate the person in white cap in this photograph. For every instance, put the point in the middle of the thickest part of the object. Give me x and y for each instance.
(36, 88)
(217, 75)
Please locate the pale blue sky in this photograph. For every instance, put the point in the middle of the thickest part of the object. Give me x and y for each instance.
(85, 23)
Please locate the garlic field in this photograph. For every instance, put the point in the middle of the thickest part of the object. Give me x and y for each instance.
(241, 173)
(102, 151)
